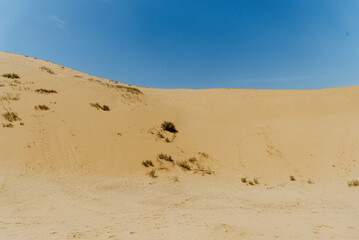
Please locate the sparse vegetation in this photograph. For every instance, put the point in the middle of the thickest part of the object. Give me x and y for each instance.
(11, 75)
(130, 89)
(184, 165)
(46, 69)
(77, 76)
(292, 178)
(99, 106)
(353, 183)
(309, 181)
(255, 180)
(192, 160)
(152, 174)
(8, 125)
(11, 116)
(250, 183)
(45, 91)
(10, 97)
(165, 157)
(42, 107)
(169, 127)
(244, 180)
(147, 163)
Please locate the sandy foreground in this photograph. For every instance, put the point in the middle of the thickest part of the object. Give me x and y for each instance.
(245, 164)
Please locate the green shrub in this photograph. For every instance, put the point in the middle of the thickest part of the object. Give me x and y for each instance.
(169, 127)
(11, 75)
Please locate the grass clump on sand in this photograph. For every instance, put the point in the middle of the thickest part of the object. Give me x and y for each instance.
(184, 165)
(11, 75)
(147, 163)
(42, 107)
(46, 69)
(152, 174)
(45, 91)
(169, 127)
(8, 125)
(11, 116)
(353, 183)
(292, 178)
(99, 106)
(130, 89)
(165, 157)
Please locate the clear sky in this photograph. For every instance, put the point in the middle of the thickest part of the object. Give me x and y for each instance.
(271, 44)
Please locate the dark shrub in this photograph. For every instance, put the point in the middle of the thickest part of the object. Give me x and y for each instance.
(169, 127)
(165, 157)
(11, 75)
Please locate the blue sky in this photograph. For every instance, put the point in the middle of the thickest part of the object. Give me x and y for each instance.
(277, 44)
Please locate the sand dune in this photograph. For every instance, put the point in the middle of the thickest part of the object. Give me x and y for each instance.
(75, 171)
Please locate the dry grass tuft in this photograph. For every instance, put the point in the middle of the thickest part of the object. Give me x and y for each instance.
(100, 107)
(353, 183)
(11, 75)
(46, 69)
(165, 157)
(169, 127)
(8, 125)
(292, 178)
(11, 116)
(152, 174)
(147, 163)
(42, 107)
(131, 90)
(45, 91)
(184, 165)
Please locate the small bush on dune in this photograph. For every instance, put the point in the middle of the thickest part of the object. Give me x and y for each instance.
(169, 127)
(11, 75)
(42, 107)
(11, 116)
(46, 69)
(8, 125)
(353, 183)
(184, 165)
(165, 157)
(45, 91)
(244, 180)
(152, 174)
(99, 106)
(130, 89)
(147, 163)
(292, 178)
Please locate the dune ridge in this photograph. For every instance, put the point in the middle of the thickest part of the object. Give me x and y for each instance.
(86, 158)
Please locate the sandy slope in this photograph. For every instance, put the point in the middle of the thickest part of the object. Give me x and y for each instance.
(75, 172)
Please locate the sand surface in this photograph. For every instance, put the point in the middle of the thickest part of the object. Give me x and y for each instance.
(74, 171)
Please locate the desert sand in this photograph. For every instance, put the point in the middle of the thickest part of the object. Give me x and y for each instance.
(245, 164)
